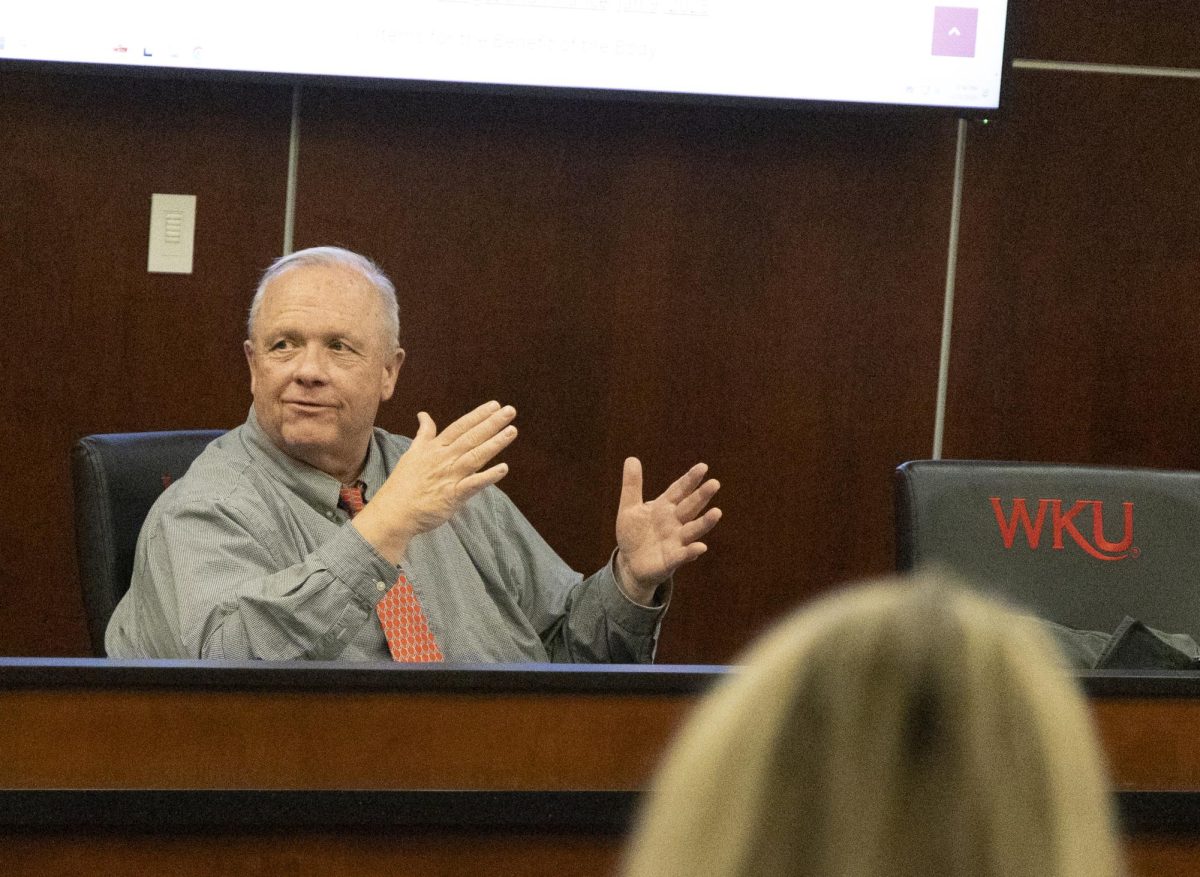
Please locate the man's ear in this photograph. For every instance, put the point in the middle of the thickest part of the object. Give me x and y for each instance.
(248, 349)
(390, 372)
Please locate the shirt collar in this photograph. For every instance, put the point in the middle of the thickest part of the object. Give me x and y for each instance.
(312, 485)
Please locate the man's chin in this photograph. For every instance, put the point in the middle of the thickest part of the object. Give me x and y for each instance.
(312, 446)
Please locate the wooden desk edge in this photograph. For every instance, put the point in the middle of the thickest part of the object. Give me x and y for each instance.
(57, 673)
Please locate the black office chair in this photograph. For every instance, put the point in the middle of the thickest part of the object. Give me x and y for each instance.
(116, 478)
(1080, 545)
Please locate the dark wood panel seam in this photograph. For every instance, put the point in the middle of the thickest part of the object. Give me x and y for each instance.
(590, 811)
(149, 809)
(1159, 812)
(1140, 683)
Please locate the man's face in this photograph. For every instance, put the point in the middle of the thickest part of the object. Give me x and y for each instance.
(320, 364)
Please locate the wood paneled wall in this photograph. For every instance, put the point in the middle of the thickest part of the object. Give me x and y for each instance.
(95, 343)
(760, 289)
(745, 288)
(1077, 331)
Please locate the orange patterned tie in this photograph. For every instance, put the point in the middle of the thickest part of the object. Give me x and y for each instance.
(408, 635)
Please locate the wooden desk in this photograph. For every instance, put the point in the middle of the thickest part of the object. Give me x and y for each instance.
(1149, 725)
(131, 767)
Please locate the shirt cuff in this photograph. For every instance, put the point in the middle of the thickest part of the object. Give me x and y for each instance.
(632, 616)
(355, 562)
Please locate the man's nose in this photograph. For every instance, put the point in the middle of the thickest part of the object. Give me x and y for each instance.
(311, 366)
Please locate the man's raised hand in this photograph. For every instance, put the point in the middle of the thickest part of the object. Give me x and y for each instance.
(436, 475)
(655, 538)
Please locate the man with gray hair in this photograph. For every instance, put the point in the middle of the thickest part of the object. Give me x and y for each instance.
(308, 533)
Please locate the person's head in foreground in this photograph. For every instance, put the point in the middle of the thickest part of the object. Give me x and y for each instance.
(905, 727)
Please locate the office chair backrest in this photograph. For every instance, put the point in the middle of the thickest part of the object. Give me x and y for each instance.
(1080, 545)
(116, 478)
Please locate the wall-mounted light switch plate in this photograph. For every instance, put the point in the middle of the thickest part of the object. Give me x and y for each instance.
(172, 230)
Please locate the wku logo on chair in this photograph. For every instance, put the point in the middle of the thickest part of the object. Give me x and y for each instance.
(1067, 523)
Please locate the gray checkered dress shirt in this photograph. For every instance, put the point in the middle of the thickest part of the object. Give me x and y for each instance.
(249, 556)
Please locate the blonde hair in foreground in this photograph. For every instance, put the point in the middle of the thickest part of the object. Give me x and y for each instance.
(905, 727)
